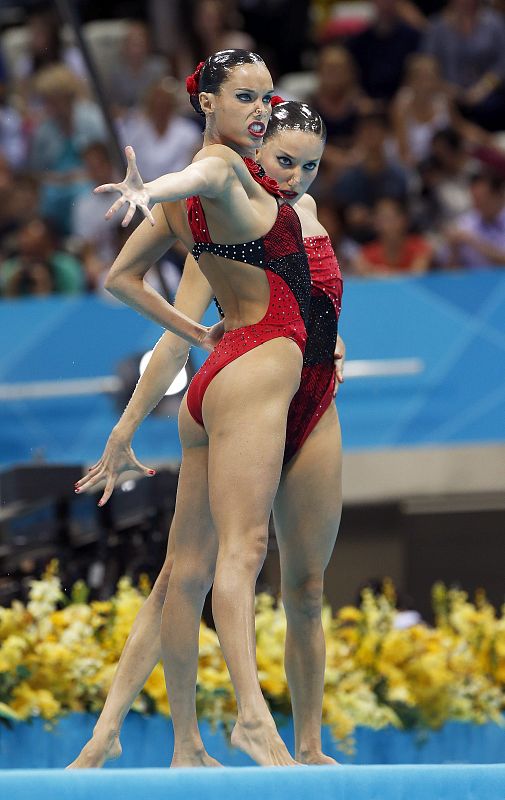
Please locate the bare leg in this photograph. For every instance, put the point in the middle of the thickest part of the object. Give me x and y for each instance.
(140, 655)
(142, 650)
(195, 548)
(307, 513)
(245, 411)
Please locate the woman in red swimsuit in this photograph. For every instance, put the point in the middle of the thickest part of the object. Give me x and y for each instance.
(238, 451)
(308, 527)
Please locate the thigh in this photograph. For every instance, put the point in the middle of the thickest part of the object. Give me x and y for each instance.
(308, 504)
(245, 410)
(192, 529)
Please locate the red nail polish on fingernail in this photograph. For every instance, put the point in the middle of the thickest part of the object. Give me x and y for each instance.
(152, 472)
(77, 491)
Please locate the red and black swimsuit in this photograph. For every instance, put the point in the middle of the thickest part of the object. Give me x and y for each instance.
(317, 382)
(282, 255)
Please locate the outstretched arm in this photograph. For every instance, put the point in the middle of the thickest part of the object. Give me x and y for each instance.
(168, 358)
(207, 176)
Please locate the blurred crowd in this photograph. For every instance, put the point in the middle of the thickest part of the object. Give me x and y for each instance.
(412, 93)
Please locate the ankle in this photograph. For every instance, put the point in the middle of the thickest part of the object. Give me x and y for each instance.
(253, 722)
(106, 731)
(189, 747)
(308, 749)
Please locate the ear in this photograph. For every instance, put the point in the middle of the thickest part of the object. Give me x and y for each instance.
(207, 102)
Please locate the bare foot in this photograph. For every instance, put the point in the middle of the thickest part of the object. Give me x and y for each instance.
(315, 758)
(262, 743)
(97, 751)
(197, 757)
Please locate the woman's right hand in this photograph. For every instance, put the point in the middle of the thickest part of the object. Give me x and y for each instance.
(213, 336)
(132, 191)
(117, 457)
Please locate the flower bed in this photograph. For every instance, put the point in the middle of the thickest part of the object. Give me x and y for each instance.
(59, 654)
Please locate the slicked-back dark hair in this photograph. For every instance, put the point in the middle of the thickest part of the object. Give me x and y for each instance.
(216, 69)
(291, 115)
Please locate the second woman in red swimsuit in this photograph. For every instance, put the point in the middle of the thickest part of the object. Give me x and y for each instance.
(307, 507)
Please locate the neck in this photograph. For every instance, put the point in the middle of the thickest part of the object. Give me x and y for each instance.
(212, 136)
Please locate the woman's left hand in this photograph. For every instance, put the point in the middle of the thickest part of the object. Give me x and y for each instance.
(339, 360)
(132, 190)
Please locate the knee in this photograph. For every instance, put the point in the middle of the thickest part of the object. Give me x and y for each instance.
(304, 597)
(244, 553)
(195, 580)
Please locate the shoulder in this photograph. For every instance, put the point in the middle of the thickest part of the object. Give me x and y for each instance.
(222, 159)
(221, 151)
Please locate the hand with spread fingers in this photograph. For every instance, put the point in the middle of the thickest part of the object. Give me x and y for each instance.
(117, 457)
(339, 359)
(132, 191)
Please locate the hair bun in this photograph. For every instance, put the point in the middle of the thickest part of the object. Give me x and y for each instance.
(276, 99)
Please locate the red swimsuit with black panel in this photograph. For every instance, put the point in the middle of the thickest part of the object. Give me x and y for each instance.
(317, 382)
(282, 255)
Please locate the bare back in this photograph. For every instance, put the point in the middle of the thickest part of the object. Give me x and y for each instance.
(244, 212)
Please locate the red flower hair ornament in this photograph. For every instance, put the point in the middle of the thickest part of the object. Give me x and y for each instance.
(192, 81)
(276, 99)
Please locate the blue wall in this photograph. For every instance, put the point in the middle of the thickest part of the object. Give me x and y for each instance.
(454, 323)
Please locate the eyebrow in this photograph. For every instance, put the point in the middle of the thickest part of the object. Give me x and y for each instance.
(253, 91)
(308, 161)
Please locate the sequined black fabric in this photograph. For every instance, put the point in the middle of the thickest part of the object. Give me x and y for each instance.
(322, 328)
(249, 252)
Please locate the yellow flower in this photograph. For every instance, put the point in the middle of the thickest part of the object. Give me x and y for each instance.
(155, 685)
(29, 702)
(349, 614)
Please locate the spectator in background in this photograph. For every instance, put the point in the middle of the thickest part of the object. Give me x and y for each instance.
(446, 176)
(477, 238)
(95, 237)
(71, 122)
(39, 266)
(163, 140)
(332, 218)
(374, 175)
(19, 202)
(209, 26)
(13, 139)
(137, 70)
(46, 48)
(381, 50)
(468, 42)
(281, 30)
(7, 184)
(338, 96)
(395, 250)
(422, 107)
(340, 101)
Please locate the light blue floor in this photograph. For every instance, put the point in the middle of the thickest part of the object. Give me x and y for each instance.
(252, 783)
